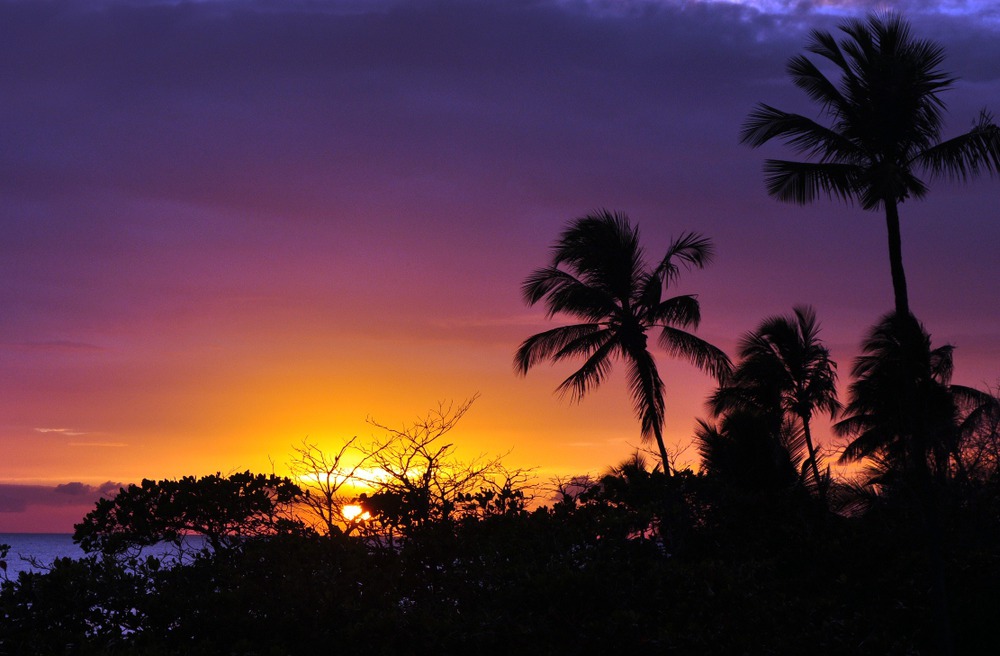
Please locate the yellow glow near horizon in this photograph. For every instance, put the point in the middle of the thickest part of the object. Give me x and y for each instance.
(354, 512)
(362, 478)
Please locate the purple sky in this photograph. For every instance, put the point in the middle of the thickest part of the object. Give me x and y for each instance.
(231, 224)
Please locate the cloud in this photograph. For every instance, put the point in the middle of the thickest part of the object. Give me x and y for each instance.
(39, 498)
(82, 489)
(74, 489)
(60, 431)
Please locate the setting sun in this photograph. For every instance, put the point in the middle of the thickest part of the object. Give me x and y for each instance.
(355, 513)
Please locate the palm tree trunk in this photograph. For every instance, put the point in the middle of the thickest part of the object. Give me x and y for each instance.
(896, 258)
(658, 434)
(812, 459)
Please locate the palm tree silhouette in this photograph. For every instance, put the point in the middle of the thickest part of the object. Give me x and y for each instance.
(886, 118)
(784, 365)
(903, 408)
(904, 414)
(598, 275)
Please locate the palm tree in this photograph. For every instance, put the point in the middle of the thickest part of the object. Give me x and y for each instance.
(902, 406)
(885, 127)
(598, 275)
(784, 365)
(904, 414)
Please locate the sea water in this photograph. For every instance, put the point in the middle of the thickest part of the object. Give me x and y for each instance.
(36, 551)
(42, 547)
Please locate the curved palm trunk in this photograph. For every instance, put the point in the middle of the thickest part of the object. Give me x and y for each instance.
(812, 458)
(896, 258)
(658, 434)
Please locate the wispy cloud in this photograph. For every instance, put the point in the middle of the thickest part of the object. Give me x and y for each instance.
(60, 431)
(72, 432)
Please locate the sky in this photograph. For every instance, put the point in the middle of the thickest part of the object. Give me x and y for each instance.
(231, 225)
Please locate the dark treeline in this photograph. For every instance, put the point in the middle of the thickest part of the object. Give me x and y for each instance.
(749, 567)
(761, 551)
(746, 556)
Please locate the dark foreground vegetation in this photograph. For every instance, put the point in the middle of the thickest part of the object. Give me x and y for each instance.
(746, 557)
(760, 552)
(757, 573)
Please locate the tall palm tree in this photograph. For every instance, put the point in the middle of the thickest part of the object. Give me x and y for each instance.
(885, 127)
(598, 275)
(784, 365)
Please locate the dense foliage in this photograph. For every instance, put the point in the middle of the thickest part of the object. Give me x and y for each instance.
(688, 563)
(223, 509)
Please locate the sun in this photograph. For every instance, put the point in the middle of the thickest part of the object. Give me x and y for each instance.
(354, 512)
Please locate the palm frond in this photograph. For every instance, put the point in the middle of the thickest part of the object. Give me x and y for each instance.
(864, 491)
(972, 399)
(734, 398)
(803, 134)
(646, 390)
(681, 311)
(563, 292)
(855, 424)
(806, 76)
(593, 371)
(709, 441)
(793, 438)
(803, 182)
(865, 443)
(825, 45)
(649, 292)
(966, 155)
(603, 251)
(546, 345)
(692, 250)
(979, 409)
(697, 351)
(942, 363)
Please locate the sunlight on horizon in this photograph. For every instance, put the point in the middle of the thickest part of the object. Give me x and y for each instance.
(354, 512)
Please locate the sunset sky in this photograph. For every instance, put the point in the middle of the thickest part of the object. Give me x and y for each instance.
(229, 225)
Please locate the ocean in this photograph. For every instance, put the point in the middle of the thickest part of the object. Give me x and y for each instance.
(47, 547)
(44, 547)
